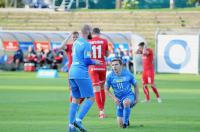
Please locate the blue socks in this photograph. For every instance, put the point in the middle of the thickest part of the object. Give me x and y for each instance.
(85, 108)
(72, 112)
(126, 114)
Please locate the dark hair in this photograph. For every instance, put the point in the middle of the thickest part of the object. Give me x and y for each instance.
(117, 59)
(75, 32)
(141, 44)
(96, 30)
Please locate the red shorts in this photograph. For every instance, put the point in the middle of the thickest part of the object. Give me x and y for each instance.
(148, 77)
(97, 74)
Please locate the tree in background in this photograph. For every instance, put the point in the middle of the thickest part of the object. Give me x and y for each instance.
(11, 3)
(192, 2)
(118, 4)
(130, 4)
(2, 3)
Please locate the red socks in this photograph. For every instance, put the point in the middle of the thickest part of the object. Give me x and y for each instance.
(103, 97)
(155, 91)
(100, 99)
(146, 92)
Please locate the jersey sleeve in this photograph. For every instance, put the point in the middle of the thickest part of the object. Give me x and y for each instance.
(87, 51)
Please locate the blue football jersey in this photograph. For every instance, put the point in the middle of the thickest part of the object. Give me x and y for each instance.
(121, 84)
(81, 49)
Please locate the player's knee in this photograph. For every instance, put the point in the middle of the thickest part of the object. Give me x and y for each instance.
(126, 102)
(97, 88)
(91, 98)
(75, 100)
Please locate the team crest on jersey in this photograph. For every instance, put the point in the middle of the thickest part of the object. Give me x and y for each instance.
(122, 79)
(119, 80)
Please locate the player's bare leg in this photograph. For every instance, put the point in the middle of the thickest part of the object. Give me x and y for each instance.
(156, 93)
(146, 92)
(120, 121)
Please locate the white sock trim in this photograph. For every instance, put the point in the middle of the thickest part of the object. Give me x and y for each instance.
(78, 120)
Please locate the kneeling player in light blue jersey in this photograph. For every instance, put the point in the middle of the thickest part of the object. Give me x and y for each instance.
(121, 80)
(79, 79)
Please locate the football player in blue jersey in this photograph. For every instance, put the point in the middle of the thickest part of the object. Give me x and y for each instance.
(121, 80)
(79, 79)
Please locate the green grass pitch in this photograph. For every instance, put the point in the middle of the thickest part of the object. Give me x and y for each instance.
(29, 104)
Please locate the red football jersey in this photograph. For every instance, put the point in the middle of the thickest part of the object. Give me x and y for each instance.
(147, 60)
(69, 54)
(99, 48)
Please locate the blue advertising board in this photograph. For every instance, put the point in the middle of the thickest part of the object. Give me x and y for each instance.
(56, 45)
(24, 45)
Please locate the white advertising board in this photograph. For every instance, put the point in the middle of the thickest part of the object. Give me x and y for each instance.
(178, 53)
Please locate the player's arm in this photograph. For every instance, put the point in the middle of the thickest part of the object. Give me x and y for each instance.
(136, 89)
(89, 61)
(138, 51)
(146, 51)
(109, 93)
(65, 41)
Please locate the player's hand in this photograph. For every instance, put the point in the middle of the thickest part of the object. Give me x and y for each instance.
(98, 62)
(117, 101)
(138, 52)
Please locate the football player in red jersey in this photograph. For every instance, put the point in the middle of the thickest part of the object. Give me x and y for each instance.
(148, 71)
(68, 50)
(98, 73)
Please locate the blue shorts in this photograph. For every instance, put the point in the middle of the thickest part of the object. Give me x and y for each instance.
(119, 109)
(81, 88)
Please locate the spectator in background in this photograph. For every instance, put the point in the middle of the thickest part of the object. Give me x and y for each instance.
(49, 58)
(31, 56)
(18, 58)
(38, 4)
(127, 61)
(41, 57)
(119, 53)
(58, 58)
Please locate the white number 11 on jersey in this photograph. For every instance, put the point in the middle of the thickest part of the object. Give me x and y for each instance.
(94, 51)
